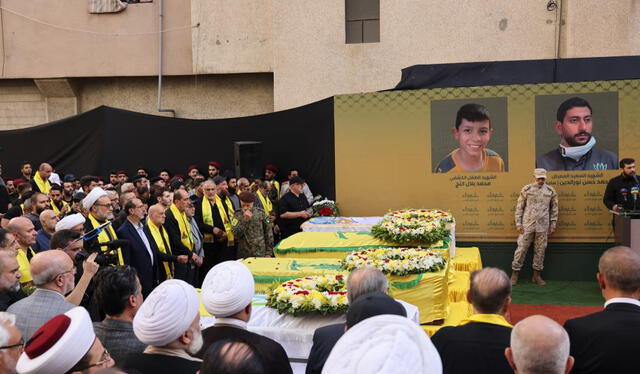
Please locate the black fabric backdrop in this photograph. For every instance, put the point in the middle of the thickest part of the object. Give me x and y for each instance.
(106, 138)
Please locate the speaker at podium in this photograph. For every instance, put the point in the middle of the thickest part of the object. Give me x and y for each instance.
(248, 159)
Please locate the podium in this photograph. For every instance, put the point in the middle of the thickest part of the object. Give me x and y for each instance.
(627, 228)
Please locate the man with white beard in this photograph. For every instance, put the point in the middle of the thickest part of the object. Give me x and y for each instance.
(100, 209)
(169, 323)
(10, 342)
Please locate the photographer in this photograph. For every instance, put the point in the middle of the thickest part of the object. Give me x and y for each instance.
(70, 242)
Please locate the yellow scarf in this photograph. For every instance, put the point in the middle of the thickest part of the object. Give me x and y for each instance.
(266, 203)
(43, 185)
(225, 218)
(56, 209)
(184, 226)
(157, 237)
(207, 218)
(23, 264)
(104, 237)
(494, 319)
(276, 185)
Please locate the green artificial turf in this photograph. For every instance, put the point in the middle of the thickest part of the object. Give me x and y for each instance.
(557, 293)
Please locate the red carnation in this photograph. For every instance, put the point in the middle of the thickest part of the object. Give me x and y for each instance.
(325, 211)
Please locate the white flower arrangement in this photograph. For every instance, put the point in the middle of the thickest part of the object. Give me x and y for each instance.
(424, 226)
(314, 294)
(396, 261)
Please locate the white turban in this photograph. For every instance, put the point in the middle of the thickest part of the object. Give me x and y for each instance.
(227, 289)
(384, 344)
(70, 222)
(59, 344)
(167, 313)
(92, 197)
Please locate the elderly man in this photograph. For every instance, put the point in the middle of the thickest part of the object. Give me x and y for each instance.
(232, 356)
(169, 323)
(11, 343)
(9, 279)
(25, 234)
(40, 181)
(540, 345)
(384, 344)
(243, 185)
(226, 294)
(52, 273)
(481, 338)
(74, 222)
(252, 228)
(100, 209)
(159, 241)
(604, 342)
(48, 220)
(209, 215)
(180, 239)
(536, 218)
(65, 344)
(293, 208)
(119, 294)
(360, 282)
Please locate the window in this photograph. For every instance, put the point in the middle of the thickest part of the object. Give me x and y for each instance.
(362, 21)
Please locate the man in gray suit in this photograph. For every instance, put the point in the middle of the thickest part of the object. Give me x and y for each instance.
(53, 275)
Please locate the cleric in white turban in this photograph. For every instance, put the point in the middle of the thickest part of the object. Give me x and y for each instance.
(92, 197)
(169, 322)
(227, 292)
(66, 343)
(387, 344)
(73, 222)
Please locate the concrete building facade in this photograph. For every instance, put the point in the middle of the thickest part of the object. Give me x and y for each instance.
(230, 58)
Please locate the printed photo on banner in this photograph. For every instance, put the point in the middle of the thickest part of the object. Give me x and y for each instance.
(469, 135)
(577, 131)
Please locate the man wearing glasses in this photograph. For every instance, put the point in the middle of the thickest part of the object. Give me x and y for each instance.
(11, 343)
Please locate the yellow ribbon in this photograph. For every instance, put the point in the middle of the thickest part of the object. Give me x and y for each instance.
(184, 226)
(157, 237)
(43, 185)
(494, 319)
(266, 203)
(103, 237)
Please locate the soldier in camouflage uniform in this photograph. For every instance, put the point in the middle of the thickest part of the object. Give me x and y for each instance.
(252, 229)
(536, 218)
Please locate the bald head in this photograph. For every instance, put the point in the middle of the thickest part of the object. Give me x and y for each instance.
(539, 345)
(365, 280)
(48, 219)
(47, 265)
(23, 230)
(157, 214)
(620, 267)
(490, 291)
(45, 171)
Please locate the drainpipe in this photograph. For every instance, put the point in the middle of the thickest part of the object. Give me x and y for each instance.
(160, 49)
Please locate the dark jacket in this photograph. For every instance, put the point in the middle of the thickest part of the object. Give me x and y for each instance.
(324, 338)
(159, 364)
(607, 341)
(613, 196)
(139, 257)
(476, 348)
(595, 159)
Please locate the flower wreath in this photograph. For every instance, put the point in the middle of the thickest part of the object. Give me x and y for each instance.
(424, 226)
(396, 261)
(323, 294)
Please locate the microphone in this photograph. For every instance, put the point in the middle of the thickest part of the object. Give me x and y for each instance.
(624, 193)
(634, 192)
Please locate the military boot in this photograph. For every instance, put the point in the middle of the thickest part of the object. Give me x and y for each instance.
(537, 278)
(514, 277)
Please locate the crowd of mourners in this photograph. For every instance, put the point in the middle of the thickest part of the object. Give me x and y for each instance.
(102, 275)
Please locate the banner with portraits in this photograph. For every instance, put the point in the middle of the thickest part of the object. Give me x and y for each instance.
(470, 150)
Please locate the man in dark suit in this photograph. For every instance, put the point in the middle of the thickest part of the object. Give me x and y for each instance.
(142, 252)
(607, 341)
(179, 231)
(482, 338)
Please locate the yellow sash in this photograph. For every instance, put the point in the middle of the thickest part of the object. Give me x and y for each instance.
(56, 209)
(185, 227)
(103, 237)
(43, 186)
(276, 185)
(22, 209)
(23, 264)
(225, 218)
(494, 319)
(157, 237)
(266, 203)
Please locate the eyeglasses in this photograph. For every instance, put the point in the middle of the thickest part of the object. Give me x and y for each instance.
(18, 344)
(104, 205)
(73, 270)
(106, 357)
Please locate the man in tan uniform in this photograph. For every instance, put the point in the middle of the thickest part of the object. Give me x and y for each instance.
(536, 218)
